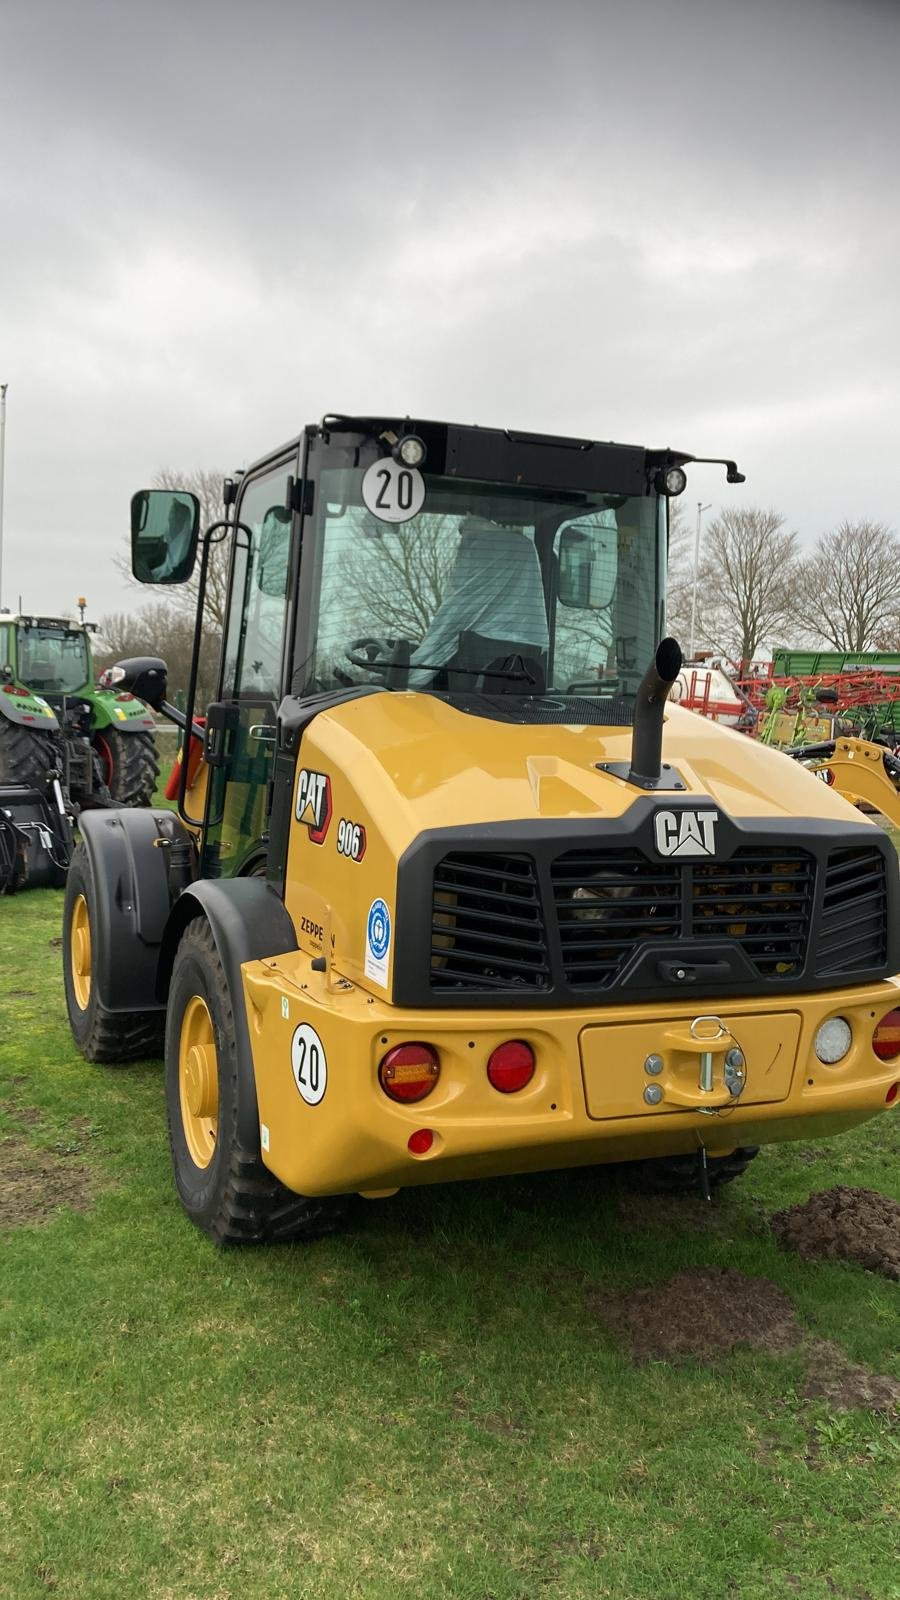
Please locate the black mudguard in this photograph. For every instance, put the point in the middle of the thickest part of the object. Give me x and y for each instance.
(129, 853)
(248, 921)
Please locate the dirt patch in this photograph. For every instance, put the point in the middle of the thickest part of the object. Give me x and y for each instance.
(700, 1312)
(832, 1376)
(35, 1183)
(844, 1224)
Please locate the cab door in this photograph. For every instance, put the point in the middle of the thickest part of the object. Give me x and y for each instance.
(241, 729)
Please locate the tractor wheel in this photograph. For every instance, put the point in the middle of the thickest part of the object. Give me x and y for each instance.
(99, 1034)
(130, 765)
(222, 1183)
(681, 1175)
(26, 756)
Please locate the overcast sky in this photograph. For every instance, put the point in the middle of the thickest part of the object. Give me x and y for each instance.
(662, 223)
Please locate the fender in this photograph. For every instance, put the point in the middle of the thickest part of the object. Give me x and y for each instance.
(248, 921)
(129, 851)
(125, 714)
(27, 710)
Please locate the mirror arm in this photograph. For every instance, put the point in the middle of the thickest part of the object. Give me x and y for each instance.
(223, 528)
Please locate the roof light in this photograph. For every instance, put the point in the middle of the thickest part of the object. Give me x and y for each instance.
(671, 482)
(410, 450)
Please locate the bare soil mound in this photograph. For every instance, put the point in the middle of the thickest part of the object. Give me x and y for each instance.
(701, 1311)
(35, 1183)
(844, 1224)
(832, 1376)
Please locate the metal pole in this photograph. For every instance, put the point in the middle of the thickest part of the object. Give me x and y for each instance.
(700, 511)
(3, 389)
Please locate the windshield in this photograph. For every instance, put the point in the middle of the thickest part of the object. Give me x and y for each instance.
(52, 660)
(489, 590)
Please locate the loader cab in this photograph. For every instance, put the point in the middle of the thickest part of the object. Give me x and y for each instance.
(518, 577)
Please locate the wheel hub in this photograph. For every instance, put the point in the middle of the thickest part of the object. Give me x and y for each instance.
(198, 1081)
(80, 952)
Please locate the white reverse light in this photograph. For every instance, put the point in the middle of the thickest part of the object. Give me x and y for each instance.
(833, 1040)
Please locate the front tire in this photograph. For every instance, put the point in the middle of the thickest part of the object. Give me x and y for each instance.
(222, 1183)
(100, 1035)
(26, 757)
(130, 765)
(681, 1175)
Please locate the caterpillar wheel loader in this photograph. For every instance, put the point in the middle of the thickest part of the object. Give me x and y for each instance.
(99, 739)
(452, 890)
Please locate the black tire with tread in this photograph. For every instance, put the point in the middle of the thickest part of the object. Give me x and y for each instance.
(681, 1174)
(26, 756)
(101, 1035)
(135, 766)
(236, 1199)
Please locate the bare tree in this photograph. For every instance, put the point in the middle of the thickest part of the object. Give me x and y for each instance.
(207, 486)
(398, 578)
(679, 585)
(157, 629)
(847, 589)
(747, 581)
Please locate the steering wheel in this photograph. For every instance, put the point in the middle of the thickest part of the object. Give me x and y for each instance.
(374, 648)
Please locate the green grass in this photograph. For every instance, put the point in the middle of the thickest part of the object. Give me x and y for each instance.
(426, 1406)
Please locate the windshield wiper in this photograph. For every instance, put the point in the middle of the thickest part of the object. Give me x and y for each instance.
(477, 672)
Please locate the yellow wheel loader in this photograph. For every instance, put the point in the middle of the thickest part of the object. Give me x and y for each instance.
(455, 891)
(866, 773)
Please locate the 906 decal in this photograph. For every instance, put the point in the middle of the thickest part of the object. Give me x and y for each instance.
(351, 839)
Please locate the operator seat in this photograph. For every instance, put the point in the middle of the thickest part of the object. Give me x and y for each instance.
(503, 666)
(494, 594)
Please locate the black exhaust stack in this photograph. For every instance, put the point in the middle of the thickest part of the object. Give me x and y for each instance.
(649, 705)
(647, 770)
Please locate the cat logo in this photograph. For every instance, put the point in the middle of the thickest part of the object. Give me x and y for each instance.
(686, 833)
(313, 807)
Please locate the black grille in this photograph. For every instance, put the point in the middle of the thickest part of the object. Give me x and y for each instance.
(486, 928)
(607, 903)
(852, 932)
(762, 898)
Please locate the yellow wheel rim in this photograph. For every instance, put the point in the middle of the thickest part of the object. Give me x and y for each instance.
(198, 1081)
(80, 952)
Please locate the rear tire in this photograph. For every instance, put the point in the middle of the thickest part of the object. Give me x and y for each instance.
(130, 765)
(100, 1035)
(26, 756)
(222, 1183)
(680, 1174)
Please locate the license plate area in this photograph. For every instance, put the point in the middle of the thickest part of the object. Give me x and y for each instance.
(615, 1056)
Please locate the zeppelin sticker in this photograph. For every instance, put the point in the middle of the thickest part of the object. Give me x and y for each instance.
(378, 942)
(313, 808)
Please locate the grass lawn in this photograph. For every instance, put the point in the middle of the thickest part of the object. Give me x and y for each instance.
(428, 1405)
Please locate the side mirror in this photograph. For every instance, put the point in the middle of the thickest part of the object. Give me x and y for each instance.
(588, 566)
(165, 525)
(144, 676)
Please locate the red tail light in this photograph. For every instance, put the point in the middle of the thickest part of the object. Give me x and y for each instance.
(886, 1037)
(511, 1066)
(409, 1072)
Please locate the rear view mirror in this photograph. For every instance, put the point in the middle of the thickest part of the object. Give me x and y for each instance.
(588, 565)
(165, 524)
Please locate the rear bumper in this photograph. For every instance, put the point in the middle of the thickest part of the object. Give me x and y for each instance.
(585, 1104)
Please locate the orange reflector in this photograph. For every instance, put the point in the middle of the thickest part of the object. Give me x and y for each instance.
(420, 1142)
(892, 1094)
(886, 1037)
(409, 1072)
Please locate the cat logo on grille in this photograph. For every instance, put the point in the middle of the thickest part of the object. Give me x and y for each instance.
(686, 833)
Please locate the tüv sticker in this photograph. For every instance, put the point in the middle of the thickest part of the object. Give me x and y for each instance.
(378, 942)
(686, 833)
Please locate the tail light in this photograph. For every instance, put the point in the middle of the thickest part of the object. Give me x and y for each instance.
(409, 1072)
(511, 1066)
(886, 1037)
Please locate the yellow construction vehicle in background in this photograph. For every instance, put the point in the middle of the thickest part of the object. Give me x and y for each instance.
(865, 772)
(455, 892)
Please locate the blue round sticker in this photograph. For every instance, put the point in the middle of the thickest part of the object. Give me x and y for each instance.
(378, 931)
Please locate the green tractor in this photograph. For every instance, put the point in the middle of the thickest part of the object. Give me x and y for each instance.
(52, 718)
